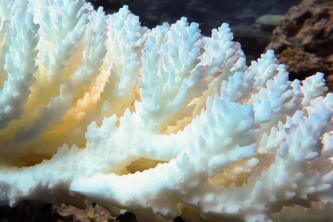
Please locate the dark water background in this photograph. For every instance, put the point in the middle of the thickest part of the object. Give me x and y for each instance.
(240, 14)
(208, 13)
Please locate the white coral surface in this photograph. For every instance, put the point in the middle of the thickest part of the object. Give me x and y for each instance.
(157, 121)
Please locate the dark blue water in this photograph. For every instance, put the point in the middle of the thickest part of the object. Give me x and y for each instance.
(240, 14)
(208, 13)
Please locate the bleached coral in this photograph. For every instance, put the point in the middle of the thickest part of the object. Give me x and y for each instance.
(158, 121)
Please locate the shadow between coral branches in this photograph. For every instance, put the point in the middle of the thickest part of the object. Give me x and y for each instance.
(34, 211)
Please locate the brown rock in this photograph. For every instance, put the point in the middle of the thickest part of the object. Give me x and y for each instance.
(304, 39)
(299, 62)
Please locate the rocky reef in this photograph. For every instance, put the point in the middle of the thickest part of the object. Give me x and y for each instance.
(304, 39)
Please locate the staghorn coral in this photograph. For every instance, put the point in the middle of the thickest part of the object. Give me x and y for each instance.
(161, 122)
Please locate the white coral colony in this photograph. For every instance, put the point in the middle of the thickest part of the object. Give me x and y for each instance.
(156, 121)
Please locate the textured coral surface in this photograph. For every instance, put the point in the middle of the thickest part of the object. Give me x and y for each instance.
(162, 122)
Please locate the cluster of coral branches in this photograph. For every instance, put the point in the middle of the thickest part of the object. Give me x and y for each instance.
(158, 121)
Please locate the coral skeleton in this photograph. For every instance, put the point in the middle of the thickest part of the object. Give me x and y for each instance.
(158, 121)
